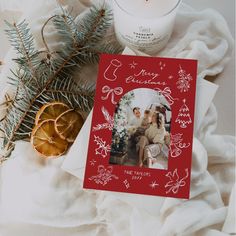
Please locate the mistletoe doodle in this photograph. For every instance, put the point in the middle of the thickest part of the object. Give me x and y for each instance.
(176, 144)
(166, 92)
(183, 83)
(111, 92)
(102, 149)
(104, 175)
(107, 125)
(175, 182)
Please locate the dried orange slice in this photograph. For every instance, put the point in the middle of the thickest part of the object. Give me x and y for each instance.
(50, 111)
(46, 140)
(68, 125)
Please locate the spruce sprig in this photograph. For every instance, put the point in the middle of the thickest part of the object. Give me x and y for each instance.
(45, 76)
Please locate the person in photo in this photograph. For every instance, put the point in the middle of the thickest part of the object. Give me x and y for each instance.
(155, 134)
(147, 119)
(137, 119)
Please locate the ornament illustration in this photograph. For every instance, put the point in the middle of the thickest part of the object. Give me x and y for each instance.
(154, 184)
(175, 182)
(166, 92)
(104, 175)
(111, 92)
(176, 144)
(184, 116)
(183, 83)
(110, 72)
(103, 148)
(109, 121)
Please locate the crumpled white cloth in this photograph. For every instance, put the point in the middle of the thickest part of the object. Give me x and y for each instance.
(38, 198)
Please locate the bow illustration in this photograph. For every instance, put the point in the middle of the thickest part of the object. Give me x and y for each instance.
(175, 182)
(109, 91)
(166, 92)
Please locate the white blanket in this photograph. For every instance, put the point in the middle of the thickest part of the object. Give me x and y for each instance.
(38, 198)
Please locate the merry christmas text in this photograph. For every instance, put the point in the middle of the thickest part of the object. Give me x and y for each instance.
(144, 77)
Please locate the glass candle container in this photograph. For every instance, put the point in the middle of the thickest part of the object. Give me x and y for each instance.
(145, 25)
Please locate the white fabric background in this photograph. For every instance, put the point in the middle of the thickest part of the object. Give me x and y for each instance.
(38, 198)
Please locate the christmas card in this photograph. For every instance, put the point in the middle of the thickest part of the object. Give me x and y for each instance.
(142, 126)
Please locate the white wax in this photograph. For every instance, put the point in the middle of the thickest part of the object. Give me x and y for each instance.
(147, 8)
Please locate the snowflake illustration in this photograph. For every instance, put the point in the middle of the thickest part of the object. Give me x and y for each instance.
(175, 182)
(183, 83)
(104, 175)
(133, 65)
(92, 162)
(103, 148)
(154, 184)
(109, 121)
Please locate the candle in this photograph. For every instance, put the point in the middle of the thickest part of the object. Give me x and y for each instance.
(145, 25)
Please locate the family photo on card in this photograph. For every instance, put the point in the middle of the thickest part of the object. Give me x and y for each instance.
(141, 133)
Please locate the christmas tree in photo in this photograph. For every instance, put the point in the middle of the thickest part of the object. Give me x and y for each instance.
(183, 117)
(120, 132)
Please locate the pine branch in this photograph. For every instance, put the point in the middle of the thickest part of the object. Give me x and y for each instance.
(39, 80)
(78, 94)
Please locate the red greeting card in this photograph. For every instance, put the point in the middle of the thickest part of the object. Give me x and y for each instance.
(142, 126)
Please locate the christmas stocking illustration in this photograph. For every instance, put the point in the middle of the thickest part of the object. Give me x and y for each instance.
(110, 72)
(184, 117)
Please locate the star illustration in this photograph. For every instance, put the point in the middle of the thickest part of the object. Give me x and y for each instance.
(133, 65)
(92, 162)
(162, 65)
(154, 184)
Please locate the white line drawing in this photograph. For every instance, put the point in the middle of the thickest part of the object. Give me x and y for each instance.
(112, 92)
(104, 175)
(183, 117)
(162, 65)
(166, 92)
(133, 65)
(110, 72)
(109, 121)
(126, 183)
(103, 148)
(170, 77)
(92, 162)
(176, 144)
(154, 184)
(175, 182)
(183, 83)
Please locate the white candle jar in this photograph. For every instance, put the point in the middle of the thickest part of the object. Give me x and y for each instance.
(145, 25)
